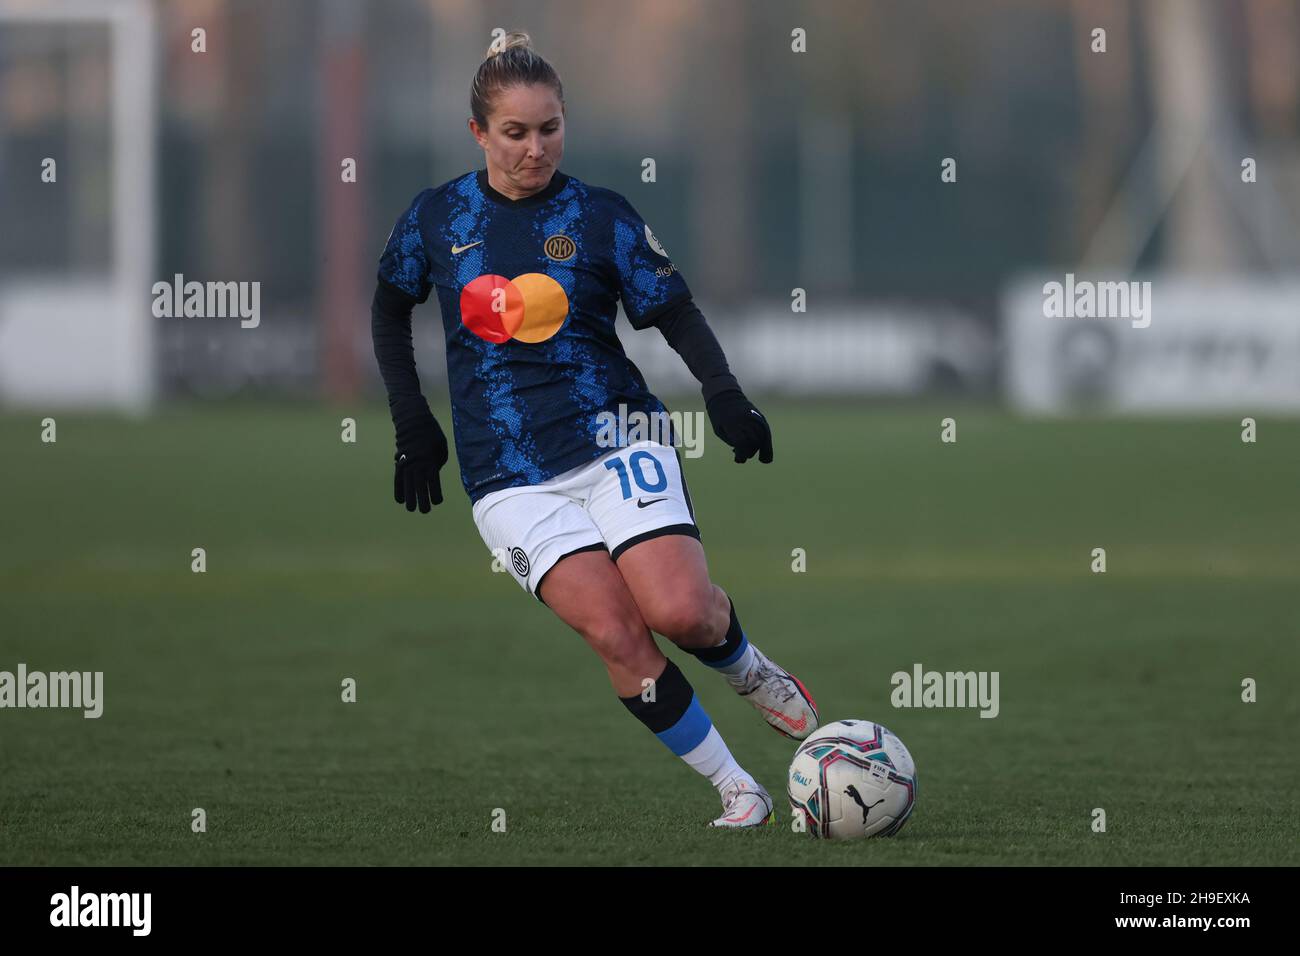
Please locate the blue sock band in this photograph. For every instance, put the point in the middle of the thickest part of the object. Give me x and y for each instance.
(735, 656)
(672, 714)
(689, 732)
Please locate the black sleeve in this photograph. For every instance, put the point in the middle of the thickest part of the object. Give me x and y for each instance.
(689, 334)
(390, 328)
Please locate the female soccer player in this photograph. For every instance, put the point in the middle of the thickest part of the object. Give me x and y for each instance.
(529, 265)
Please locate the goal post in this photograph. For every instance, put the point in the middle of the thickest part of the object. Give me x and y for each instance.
(79, 338)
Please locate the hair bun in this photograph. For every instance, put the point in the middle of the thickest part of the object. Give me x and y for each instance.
(508, 41)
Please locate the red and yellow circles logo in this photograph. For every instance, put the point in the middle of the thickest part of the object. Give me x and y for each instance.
(527, 308)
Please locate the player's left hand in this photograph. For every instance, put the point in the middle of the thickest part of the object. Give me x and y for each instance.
(742, 426)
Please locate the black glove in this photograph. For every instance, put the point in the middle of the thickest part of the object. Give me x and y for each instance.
(742, 426)
(421, 451)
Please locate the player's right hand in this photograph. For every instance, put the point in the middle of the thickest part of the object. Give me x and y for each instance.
(421, 452)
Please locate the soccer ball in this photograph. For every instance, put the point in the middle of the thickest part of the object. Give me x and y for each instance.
(850, 779)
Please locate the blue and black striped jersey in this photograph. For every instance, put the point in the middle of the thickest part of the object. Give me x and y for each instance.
(529, 291)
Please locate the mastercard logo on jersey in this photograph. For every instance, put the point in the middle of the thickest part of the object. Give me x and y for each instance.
(527, 308)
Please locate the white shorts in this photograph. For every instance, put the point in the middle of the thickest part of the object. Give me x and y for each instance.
(624, 497)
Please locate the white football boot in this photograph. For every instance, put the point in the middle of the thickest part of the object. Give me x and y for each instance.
(744, 804)
(779, 696)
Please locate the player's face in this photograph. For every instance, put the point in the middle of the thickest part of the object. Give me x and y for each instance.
(524, 139)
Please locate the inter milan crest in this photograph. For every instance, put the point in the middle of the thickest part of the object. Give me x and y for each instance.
(560, 247)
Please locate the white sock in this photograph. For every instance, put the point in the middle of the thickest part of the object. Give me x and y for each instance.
(712, 759)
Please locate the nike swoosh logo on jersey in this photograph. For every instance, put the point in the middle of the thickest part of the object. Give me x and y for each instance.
(457, 250)
(644, 504)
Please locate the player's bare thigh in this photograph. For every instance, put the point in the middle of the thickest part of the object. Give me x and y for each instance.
(668, 578)
(588, 593)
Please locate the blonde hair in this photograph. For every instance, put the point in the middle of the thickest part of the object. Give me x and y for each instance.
(509, 61)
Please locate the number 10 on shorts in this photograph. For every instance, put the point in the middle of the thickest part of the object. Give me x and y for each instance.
(634, 465)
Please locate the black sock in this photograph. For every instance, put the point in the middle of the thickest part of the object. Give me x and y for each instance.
(672, 714)
(729, 649)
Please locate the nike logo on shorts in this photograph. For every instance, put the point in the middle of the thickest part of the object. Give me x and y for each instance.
(643, 504)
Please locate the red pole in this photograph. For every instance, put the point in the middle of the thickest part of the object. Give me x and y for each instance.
(342, 310)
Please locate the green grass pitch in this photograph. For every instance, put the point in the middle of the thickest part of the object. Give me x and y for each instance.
(222, 690)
